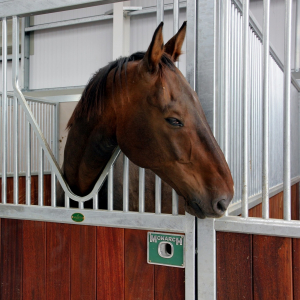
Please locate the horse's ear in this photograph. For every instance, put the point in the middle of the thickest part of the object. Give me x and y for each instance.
(155, 50)
(173, 46)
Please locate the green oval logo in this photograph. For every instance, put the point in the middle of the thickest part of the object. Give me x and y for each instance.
(77, 217)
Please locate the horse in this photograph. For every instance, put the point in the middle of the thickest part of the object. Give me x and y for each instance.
(143, 104)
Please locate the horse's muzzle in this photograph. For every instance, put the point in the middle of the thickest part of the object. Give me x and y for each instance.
(215, 210)
(220, 205)
(194, 209)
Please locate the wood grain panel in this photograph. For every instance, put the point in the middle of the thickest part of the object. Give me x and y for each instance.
(11, 259)
(34, 260)
(22, 189)
(169, 283)
(234, 266)
(276, 206)
(83, 262)
(272, 268)
(296, 268)
(139, 276)
(58, 261)
(110, 263)
(47, 190)
(256, 211)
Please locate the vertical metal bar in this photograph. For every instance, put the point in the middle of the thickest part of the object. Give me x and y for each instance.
(53, 189)
(141, 190)
(220, 110)
(297, 43)
(159, 11)
(226, 76)
(157, 195)
(24, 141)
(95, 202)
(4, 111)
(175, 16)
(67, 201)
(10, 133)
(191, 65)
(190, 258)
(240, 106)
(16, 151)
(28, 163)
(110, 189)
(25, 53)
(232, 90)
(126, 184)
(15, 78)
(251, 94)
(175, 29)
(174, 203)
(50, 114)
(265, 159)
(287, 113)
(175, 21)
(159, 18)
(81, 205)
(255, 157)
(191, 44)
(33, 140)
(245, 107)
(56, 131)
(47, 125)
(235, 98)
(41, 177)
(36, 139)
(23, 26)
(207, 283)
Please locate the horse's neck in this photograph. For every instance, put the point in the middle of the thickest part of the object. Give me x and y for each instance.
(86, 155)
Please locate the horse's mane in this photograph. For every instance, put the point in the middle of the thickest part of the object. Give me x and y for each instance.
(92, 98)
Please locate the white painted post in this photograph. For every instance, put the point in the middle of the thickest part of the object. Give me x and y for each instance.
(121, 30)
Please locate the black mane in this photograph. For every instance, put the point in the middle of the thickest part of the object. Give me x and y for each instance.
(91, 100)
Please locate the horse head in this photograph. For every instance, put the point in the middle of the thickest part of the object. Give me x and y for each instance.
(161, 126)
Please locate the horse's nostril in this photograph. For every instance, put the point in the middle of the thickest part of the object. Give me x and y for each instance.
(220, 206)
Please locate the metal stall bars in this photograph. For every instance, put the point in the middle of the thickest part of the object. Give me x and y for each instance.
(111, 218)
(45, 114)
(265, 172)
(276, 166)
(287, 113)
(4, 110)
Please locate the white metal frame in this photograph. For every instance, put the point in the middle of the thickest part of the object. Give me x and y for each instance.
(206, 229)
(110, 218)
(208, 75)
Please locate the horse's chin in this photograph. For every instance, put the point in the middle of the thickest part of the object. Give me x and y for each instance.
(194, 209)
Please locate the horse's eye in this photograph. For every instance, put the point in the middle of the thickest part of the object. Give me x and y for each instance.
(174, 122)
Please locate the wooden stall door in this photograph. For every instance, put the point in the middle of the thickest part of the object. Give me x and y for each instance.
(47, 261)
(258, 267)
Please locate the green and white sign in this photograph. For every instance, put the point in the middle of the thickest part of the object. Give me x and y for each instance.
(166, 249)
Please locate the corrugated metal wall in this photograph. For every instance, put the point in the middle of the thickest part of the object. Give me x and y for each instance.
(256, 113)
(68, 56)
(276, 24)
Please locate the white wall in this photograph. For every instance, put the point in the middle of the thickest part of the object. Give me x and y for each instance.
(68, 56)
(277, 15)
